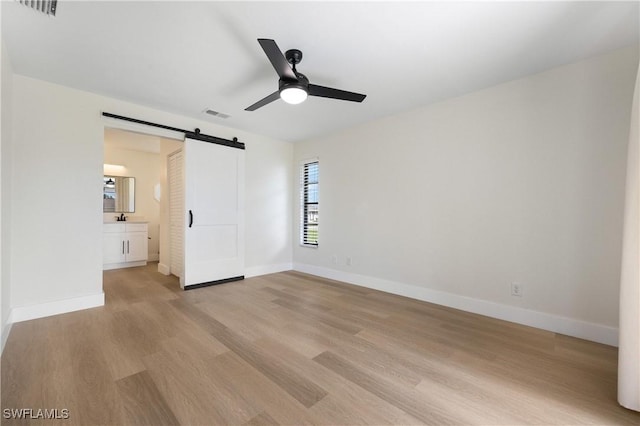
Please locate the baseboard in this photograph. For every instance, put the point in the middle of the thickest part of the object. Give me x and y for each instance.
(5, 334)
(24, 313)
(164, 269)
(255, 271)
(110, 266)
(555, 323)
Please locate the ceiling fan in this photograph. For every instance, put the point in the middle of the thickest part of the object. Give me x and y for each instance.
(294, 87)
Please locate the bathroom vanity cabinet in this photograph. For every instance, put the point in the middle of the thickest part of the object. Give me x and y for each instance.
(125, 244)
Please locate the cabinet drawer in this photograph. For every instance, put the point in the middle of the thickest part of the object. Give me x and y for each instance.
(113, 227)
(136, 227)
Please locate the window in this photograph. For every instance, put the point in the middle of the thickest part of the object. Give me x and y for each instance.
(309, 203)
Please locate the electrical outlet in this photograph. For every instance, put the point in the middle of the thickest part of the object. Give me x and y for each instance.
(348, 261)
(334, 259)
(516, 289)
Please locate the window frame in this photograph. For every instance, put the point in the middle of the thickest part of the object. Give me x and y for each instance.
(304, 203)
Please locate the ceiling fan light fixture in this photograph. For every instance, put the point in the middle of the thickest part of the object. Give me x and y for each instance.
(293, 86)
(293, 95)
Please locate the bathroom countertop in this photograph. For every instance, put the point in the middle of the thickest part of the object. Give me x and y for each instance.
(126, 221)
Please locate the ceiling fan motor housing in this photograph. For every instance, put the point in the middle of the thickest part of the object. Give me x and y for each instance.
(294, 56)
(301, 83)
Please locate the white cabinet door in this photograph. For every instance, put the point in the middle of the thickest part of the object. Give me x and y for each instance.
(137, 246)
(214, 210)
(113, 247)
(124, 245)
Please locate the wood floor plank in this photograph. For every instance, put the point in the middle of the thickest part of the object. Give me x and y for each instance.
(305, 391)
(329, 319)
(248, 323)
(301, 300)
(274, 368)
(125, 337)
(294, 349)
(142, 401)
(262, 419)
(368, 355)
(405, 399)
(351, 289)
(472, 405)
(19, 379)
(46, 382)
(94, 391)
(193, 392)
(346, 400)
(263, 393)
(196, 340)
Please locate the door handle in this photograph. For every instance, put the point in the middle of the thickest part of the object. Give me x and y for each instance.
(127, 246)
(122, 246)
(190, 218)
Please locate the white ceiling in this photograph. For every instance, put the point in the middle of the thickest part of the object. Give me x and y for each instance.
(185, 57)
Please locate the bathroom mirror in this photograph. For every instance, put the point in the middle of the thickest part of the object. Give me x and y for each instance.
(118, 194)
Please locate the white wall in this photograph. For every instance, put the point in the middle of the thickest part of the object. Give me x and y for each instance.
(146, 168)
(455, 201)
(58, 135)
(268, 227)
(6, 75)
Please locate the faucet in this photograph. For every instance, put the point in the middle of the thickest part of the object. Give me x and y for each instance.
(121, 218)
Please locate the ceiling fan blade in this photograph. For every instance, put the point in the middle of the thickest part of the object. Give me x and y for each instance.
(328, 92)
(262, 102)
(277, 59)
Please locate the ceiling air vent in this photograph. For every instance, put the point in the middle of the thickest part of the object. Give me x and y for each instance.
(216, 113)
(48, 7)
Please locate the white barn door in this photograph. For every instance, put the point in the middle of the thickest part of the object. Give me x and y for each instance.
(214, 213)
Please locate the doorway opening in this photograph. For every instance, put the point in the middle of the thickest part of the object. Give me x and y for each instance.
(135, 199)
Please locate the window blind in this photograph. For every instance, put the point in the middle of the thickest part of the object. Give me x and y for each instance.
(47, 7)
(309, 203)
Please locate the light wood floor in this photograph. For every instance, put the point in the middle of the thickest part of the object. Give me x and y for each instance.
(290, 348)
